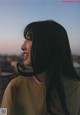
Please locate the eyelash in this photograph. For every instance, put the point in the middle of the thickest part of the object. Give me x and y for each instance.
(27, 40)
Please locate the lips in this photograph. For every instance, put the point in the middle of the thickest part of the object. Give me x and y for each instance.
(25, 55)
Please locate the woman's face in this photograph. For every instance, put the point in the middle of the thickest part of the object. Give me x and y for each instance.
(26, 47)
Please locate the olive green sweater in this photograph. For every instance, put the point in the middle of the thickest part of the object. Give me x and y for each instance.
(24, 96)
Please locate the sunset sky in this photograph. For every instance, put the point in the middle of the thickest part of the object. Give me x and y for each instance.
(16, 14)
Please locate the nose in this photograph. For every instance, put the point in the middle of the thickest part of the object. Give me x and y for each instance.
(23, 46)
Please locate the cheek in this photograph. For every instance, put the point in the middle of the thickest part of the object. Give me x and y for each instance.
(30, 47)
(27, 60)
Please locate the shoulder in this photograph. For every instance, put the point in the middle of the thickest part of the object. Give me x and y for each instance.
(71, 86)
(69, 81)
(72, 91)
(20, 80)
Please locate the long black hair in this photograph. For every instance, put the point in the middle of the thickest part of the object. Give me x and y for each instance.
(51, 53)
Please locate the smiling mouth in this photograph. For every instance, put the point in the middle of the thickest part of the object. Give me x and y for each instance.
(25, 55)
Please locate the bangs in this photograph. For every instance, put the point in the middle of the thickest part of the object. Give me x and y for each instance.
(29, 31)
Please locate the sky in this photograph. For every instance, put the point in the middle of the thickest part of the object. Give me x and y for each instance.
(16, 14)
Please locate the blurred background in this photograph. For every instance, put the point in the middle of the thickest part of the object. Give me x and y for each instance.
(16, 14)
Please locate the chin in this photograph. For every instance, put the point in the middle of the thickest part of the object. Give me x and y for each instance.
(27, 63)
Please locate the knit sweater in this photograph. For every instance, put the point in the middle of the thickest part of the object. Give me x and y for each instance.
(24, 96)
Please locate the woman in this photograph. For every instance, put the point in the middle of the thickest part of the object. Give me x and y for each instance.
(51, 85)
